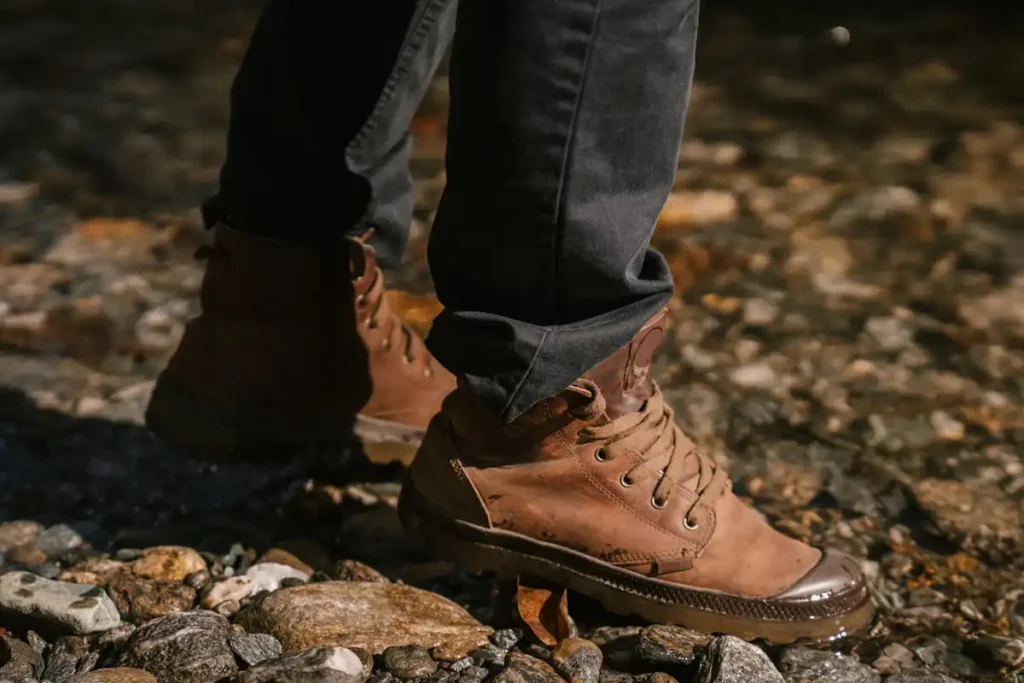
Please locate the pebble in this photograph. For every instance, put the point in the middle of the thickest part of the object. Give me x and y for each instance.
(353, 570)
(141, 600)
(946, 427)
(168, 563)
(663, 644)
(506, 638)
(68, 656)
(409, 661)
(58, 539)
(578, 660)
(19, 660)
(921, 676)
(57, 606)
(319, 664)
(1005, 651)
(890, 333)
(26, 556)
(822, 666)
(373, 616)
(235, 588)
(267, 576)
(661, 677)
(94, 570)
(253, 648)
(187, 647)
(754, 376)
(18, 533)
(114, 675)
(731, 660)
(523, 668)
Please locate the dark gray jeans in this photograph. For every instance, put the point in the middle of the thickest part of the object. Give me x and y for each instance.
(563, 140)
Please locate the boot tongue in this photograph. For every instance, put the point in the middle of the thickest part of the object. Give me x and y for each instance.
(624, 377)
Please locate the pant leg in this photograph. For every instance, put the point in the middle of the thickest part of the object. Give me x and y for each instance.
(318, 143)
(564, 134)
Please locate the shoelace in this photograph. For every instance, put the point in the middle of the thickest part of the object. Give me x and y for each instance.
(396, 333)
(664, 451)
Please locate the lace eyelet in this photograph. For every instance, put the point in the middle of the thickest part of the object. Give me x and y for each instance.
(690, 525)
(658, 504)
(625, 481)
(601, 455)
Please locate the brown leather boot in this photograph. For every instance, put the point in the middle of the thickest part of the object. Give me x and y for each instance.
(295, 346)
(599, 490)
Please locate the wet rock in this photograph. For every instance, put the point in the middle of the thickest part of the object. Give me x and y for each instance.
(352, 570)
(523, 668)
(168, 563)
(267, 576)
(94, 570)
(253, 648)
(56, 606)
(373, 616)
(409, 661)
(578, 660)
(315, 665)
(18, 661)
(663, 644)
(188, 647)
(58, 539)
(114, 675)
(731, 660)
(18, 533)
(140, 600)
(804, 665)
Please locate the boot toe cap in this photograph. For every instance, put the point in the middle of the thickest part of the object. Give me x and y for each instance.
(834, 574)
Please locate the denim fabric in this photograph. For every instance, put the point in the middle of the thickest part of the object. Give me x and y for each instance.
(563, 141)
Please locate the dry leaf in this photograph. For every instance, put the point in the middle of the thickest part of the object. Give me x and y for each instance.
(544, 609)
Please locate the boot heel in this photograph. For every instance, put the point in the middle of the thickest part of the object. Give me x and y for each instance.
(186, 422)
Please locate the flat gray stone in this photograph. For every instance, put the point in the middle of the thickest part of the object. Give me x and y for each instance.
(315, 665)
(51, 606)
(731, 660)
(186, 647)
(254, 648)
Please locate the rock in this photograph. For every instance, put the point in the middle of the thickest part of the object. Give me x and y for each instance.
(253, 648)
(114, 675)
(946, 427)
(168, 563)
(754, 376)
(315, 665)
(966, 513)
(373, 616)
(67, 657)
(56, 606)
(670, 644)
(18, 661)
(18, 533)
(804, 665)
(94, 570)
(660, 677)
(920, 676)
(523, 668)
(234, 588)
(698, 208)
(731, 660)
(760, 312)
(352, 570)
(506, 638)
(141, 600)
(27, 556)
(1005, 651)
(267, 576)
(58, 539)
(279, 556)
(409, 661)
(578, 660)
(187, 647)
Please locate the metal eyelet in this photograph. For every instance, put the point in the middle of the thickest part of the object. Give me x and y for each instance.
(625, 481)
(658, 504)
(406, 359)
(427, 372)
(690, 525)
(371, 323)
(601, 455)
(386, 344)
(361, 300)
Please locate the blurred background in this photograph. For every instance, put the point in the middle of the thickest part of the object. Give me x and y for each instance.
(846, 232)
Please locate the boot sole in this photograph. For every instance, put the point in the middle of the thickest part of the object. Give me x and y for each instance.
(509, 554)
(206, 432)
